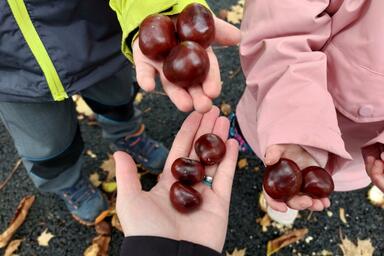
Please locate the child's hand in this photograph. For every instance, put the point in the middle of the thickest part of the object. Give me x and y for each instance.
(374, 163)
(197, 97)
(303, 160)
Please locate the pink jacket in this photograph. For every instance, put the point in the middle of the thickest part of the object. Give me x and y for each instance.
(315, 77)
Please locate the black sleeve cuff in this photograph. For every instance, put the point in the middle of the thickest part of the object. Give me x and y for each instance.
(159, 246)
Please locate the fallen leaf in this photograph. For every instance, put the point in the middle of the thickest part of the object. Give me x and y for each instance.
(376, 197)
(109, 187)
(139, 97)
(99, 247)
(264, 222)
(18, 219)
(243, 163)
(116, 223)
(108, 166)
(362, 248)
(103, 228)
(236, 252)
(262, 202)
(44, 238)
(235, 12)
(81, 106)
(225, 108)
(325, 253)
(342, 215)
(107, 213)
(12, 247)
(89, 153)
(285, 240)
(94, 178)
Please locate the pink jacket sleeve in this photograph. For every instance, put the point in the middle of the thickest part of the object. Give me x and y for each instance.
(286, 75)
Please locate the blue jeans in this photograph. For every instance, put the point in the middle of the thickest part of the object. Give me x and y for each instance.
(47, 134)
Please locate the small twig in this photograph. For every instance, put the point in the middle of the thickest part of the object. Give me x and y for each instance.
(2, 185)
(310, 215)
(159, 93)
(234, 74)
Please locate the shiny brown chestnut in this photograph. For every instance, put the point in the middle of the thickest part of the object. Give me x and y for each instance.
(184, 198)
(186, 65)
(282, 180)
(317, 183)
(188, 171)
(196, 23)
(210, 149)
(157, 36)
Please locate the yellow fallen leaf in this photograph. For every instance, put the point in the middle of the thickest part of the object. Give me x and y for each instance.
(376, 197)
(262, 202)
(99, 247)
(362, 248)
(89, 153)
(81, 106)
(264, 222)
(94, 178)
(116, 223)
(236, 252)
(12, 247)
(226, 109)
(105, 214)
(109, 187)
(285, 240)
(139, 97)
(18, 219)
(243, 163)
(44, 238)
(342, 215)
(108, 166)
(235, 13)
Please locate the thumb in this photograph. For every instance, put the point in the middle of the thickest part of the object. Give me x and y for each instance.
(226, 34)
(128, 182)
(273, 154)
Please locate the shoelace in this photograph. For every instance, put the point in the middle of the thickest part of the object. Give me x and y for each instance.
(80, 192)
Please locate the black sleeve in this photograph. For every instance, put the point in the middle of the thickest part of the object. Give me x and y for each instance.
(159, 246)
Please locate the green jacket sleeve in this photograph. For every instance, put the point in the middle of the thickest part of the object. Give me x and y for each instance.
(131, 13)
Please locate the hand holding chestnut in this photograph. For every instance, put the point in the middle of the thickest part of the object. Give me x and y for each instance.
(152, 213)
(199, 27)
(374, 163)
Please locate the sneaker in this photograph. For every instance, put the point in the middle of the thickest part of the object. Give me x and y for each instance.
(83, 201)
(235, 133)
(148, 154)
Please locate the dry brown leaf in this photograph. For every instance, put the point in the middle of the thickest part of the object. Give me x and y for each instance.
(235, 13)
(107, 213)
(12, 247)
(243, 163)
(376, 197)
(89, 153)
(99, 247)
(109, 166)
(285, 240)
(342, 215)
(94, 178)
(225, 108)
(362, 248)
(18, 219)
(103, 228)
(81, 106)
(44, 238)
(236, 252)
(116, 223)
(139, 97)
(264, 222)
(262, 202)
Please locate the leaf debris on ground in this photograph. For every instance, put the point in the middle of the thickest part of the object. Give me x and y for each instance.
(94, 178)
(9, 177)
(44, 238)
(234, 14)
(109, 166)
(285, 240)
(376, 197)
(237, 252)
(242, 163)
(342, 215)
(99, 247)
(362, 248)
(12, 247)
(18, 219)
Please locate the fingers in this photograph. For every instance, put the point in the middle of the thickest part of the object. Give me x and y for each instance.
(370, 160)
(226, 34)
(179, 96)
(300, 202)
(145, 71)
(326, 202)
(275, 205)
(377, 174)
(128, 182)
(212, 84)
(201, 102)
(206, 126)
(273, 154)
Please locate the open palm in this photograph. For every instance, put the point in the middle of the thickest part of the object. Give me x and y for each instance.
(151, 213)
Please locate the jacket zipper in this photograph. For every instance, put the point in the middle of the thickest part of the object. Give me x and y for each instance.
(23, 20)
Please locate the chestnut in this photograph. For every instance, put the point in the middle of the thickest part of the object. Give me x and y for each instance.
(196, 23)
(187, 64)
(317, 182)
(282, 180)
(210, 149)
(184, 198)
(157, 36)
(188, 171)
